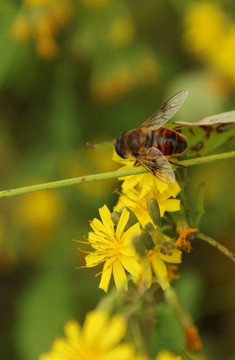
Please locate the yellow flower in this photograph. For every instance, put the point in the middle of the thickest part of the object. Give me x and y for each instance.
(40, 212)
(167, 355)
(112, 86)
(98, 339)
(143, 183)
(113, 247)
(205, 28)
(138, 205)
(210, 35)
(154, 263)
(21, 30)
(41, 20)
(122, 31)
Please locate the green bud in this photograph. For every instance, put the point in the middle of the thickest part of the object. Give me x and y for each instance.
(115, 216)
(139, 245)
(154, 211)
(147, 239)
(132, 218)
(143, 242)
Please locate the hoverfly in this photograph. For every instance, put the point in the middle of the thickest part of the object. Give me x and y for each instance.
(150, 143)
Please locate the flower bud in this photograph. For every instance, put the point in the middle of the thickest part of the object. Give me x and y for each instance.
(154, 211)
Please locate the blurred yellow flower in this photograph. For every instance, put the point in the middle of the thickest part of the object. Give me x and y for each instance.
(21, 30)
(134, 70)
(98, 339)
(113, 247)
(41, 20)
(112, 87)
(167, 355)
(210, 35)
(205, 28)
(122, 31)
(46, 47)
(41, 211)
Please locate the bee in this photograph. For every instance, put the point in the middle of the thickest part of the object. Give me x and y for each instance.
(150, 143)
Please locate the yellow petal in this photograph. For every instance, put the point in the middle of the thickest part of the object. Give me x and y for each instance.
(167, 355)
(119, 276)
(131, 265)
(175, 258)
(159, 267)
(123, 351)
(106, 219)
(72, 331)
(94, 259)
(97, 225)
(106, 275)
(114, 333)
(95, 324)
(122, 223)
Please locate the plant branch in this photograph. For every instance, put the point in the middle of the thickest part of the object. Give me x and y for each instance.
(217, 245)
(106, 176)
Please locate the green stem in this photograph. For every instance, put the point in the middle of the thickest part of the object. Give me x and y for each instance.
(217, 245)
(105, 176)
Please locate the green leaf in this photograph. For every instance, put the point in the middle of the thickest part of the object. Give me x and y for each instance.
(168, 333)
(199, 206)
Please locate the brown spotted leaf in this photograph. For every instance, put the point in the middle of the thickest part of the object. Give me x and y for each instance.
(208, 133)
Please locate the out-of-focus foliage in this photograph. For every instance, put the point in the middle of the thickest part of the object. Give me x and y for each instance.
(78, 71)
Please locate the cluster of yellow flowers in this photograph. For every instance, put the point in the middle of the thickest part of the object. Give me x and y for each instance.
(210, 35)
(113, 245)
(42, 20)
(130, 245)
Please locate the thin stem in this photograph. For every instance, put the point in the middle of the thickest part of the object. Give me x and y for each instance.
(217, 245)
(105, 176)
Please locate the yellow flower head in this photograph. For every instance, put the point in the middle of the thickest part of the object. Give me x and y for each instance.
(205, 29)
(113, 246)
(143, 183)
(98, 339)
(155, 263)
(138, 204)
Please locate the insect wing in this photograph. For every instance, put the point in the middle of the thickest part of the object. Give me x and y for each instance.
(166, 111)
(155, 162)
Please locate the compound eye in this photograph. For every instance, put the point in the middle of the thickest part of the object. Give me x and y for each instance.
(119, 145)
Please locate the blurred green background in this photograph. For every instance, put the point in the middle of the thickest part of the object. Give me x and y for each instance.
(73, 72)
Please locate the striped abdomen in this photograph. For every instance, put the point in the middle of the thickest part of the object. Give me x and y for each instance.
(169, 141)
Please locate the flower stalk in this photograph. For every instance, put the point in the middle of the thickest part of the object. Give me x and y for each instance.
(105, 176)
(216, 244)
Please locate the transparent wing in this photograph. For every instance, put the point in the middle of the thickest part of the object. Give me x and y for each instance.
(155, 162)
(166, 111)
